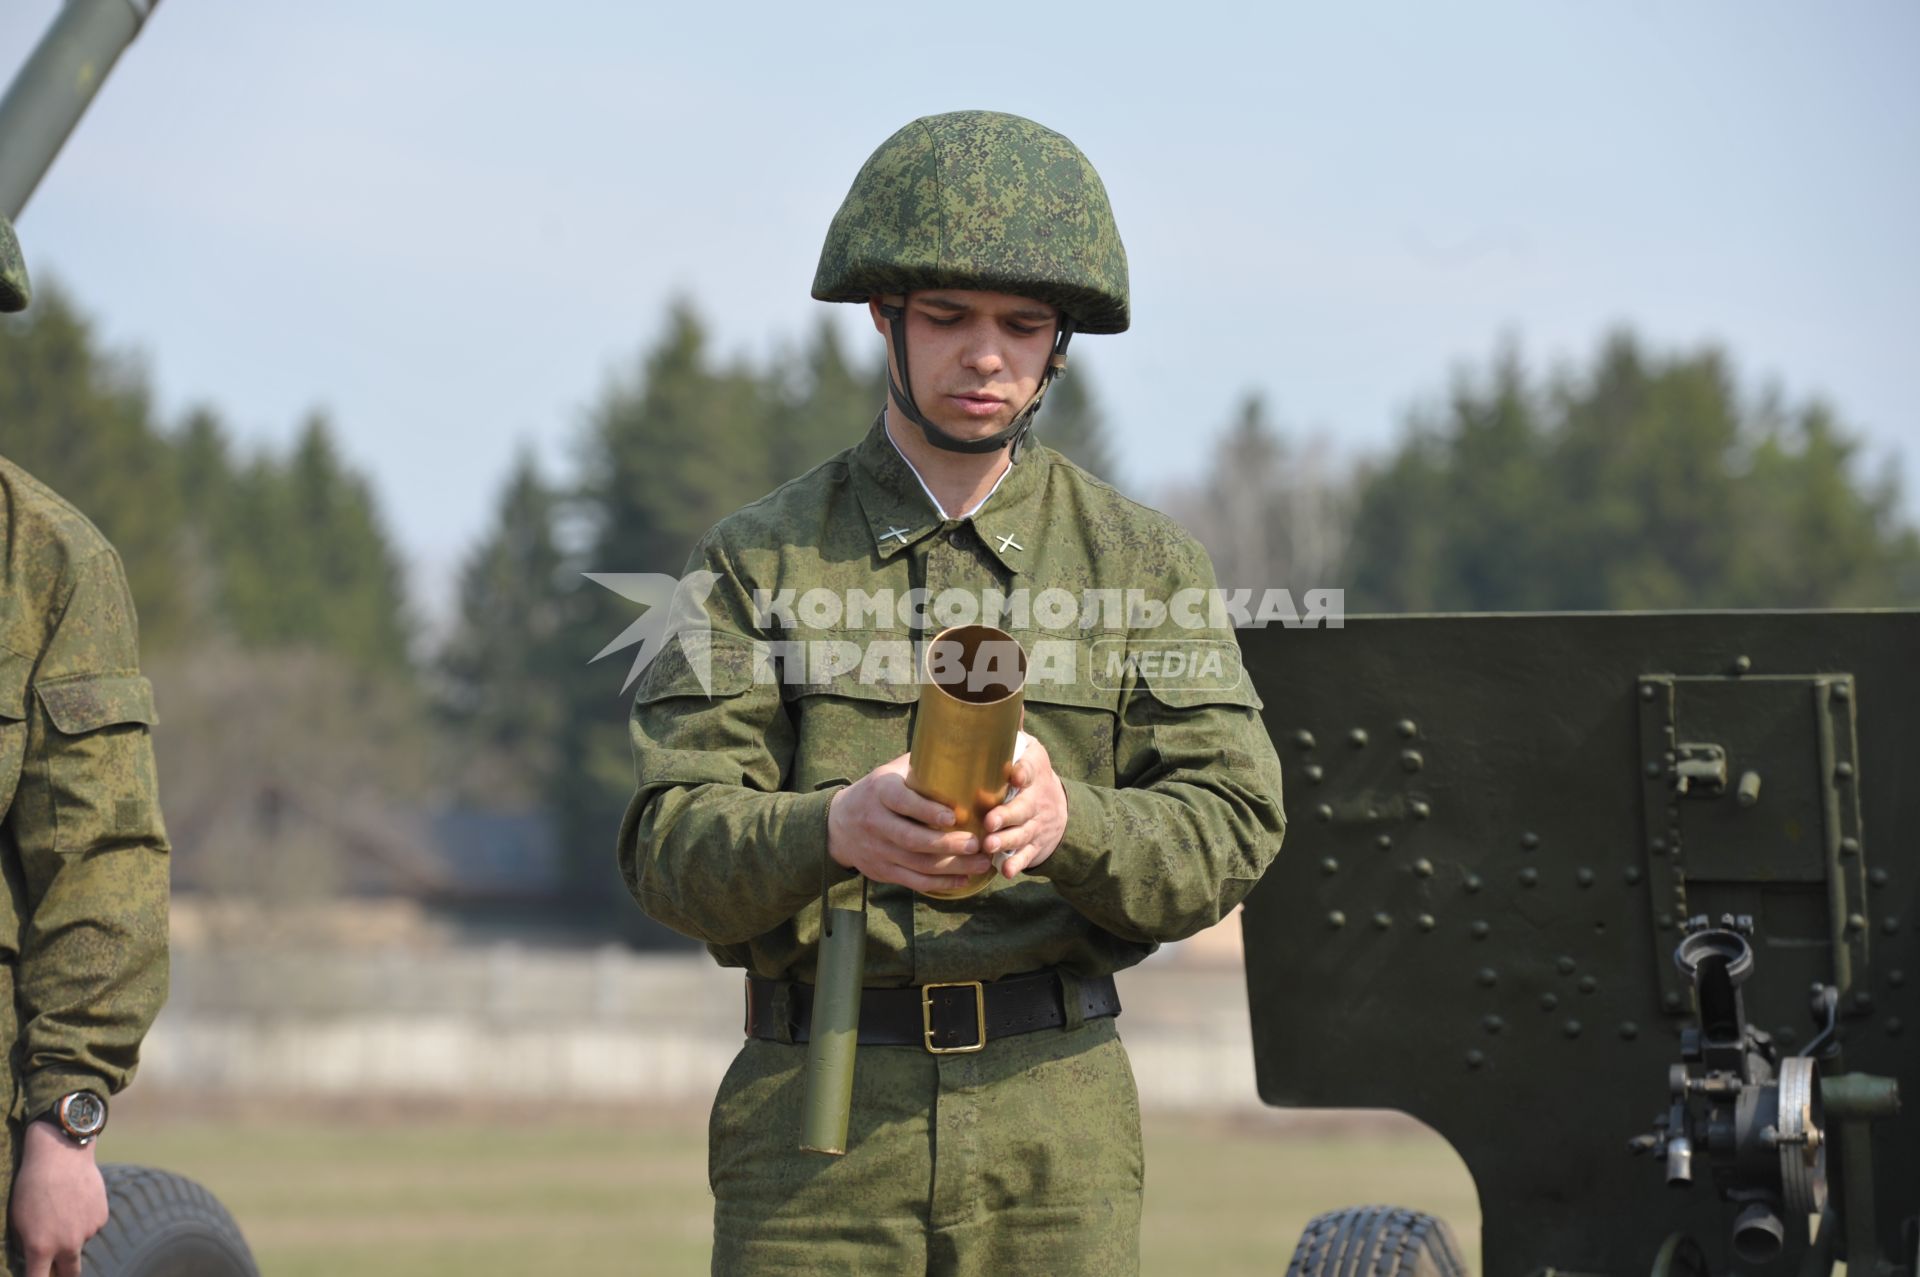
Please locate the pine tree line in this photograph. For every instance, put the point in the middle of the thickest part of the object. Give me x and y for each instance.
(1648, 481)
(261, 550)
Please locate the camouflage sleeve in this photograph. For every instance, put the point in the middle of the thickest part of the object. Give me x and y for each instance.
(710, 845)
(1195, 816)
(92, 969)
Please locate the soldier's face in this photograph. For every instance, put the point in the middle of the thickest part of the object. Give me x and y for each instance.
(975, 358)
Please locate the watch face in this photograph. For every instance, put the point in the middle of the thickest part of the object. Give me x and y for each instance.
(83, 1113)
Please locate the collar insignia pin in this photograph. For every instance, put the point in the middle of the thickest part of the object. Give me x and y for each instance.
(1007, 542)
(898, 534)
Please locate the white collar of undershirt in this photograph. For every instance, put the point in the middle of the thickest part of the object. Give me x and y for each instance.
(931, 499)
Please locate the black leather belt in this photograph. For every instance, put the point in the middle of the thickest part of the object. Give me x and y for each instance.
(943, 1018)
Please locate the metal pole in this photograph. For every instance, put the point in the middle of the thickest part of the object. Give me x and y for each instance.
(52, 91)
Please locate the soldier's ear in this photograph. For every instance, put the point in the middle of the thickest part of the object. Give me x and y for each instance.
(873, 312)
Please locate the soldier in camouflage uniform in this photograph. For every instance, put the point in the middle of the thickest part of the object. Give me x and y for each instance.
(83, 925)
(1148, 806)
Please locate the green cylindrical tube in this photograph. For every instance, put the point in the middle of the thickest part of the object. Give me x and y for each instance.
(835, 1032)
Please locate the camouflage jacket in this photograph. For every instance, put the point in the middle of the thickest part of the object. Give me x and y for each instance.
(83, 925)
(742, 733)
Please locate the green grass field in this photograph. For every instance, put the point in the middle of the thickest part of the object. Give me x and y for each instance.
(390, 1194)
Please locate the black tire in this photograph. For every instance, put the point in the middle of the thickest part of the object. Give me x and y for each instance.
(163, 1225)
(1376, 1241)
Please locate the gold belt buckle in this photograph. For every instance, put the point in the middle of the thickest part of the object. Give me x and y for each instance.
(926, 1017)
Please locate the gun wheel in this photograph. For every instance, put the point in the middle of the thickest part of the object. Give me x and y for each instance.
(164, 1225)
(1376, 1241)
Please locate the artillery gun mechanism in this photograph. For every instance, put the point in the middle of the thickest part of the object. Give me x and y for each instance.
(1753, 1115)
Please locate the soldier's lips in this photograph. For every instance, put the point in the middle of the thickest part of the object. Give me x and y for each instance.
(975, 405)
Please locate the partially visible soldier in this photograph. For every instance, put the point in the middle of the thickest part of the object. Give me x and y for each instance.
(83, 924)
(995, 1124)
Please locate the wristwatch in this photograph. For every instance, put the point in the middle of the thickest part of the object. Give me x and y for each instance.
(81, 1115)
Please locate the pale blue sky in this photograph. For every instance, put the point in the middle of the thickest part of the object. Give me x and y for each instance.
(449, 223)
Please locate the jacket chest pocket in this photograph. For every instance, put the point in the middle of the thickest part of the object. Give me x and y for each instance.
(1077, 722)
(845, 726)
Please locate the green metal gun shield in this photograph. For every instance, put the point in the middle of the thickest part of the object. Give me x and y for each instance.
(15, 291)
(1505, 823)
(984, 200)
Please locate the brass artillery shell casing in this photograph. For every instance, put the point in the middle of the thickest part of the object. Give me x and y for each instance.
(972, 686)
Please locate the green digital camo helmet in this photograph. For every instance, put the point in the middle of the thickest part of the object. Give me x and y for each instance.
(979, 200)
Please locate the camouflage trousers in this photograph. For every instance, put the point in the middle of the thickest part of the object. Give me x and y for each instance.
(1022, 1158)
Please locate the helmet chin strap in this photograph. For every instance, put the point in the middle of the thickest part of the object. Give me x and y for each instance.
(1015, 432)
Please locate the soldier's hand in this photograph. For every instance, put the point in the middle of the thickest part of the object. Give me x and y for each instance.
(59, 1200)
(891, 834)
(1031, 824)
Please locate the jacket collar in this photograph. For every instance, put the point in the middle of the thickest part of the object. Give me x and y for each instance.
(899, 513)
